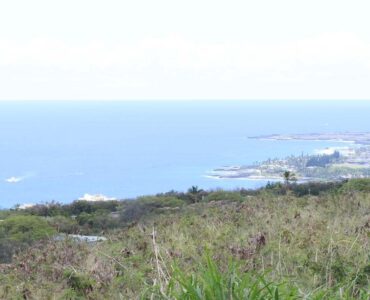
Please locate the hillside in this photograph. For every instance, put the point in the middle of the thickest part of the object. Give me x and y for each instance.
(308, 241)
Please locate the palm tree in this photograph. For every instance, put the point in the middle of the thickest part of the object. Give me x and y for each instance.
(289, 177)
(194, 190)
(195, 193)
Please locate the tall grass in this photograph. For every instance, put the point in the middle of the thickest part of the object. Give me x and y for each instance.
(210, 283)
(264, 247)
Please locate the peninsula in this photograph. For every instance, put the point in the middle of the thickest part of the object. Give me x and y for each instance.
(361, 138)
(350, 161)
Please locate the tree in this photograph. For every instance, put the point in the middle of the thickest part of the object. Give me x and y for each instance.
(289, 177)
(195, 194)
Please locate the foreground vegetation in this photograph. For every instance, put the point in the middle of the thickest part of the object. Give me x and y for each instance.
(287, 241)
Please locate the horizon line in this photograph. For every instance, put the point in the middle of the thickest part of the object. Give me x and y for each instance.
(184, 100)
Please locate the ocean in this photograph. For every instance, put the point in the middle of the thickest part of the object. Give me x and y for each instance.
(62, 150)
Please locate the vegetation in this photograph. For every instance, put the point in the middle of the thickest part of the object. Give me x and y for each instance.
(302, 241)
(323, 160)
(289, 177)
(18, 232)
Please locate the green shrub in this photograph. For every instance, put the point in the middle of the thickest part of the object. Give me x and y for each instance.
(160, 202)
(134, 210)
(17, 232)
(224, 196)
(64, 224)
(357, 185)
(25, 229)
(82, 284)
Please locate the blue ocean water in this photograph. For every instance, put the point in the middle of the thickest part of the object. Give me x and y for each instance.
(62, 150)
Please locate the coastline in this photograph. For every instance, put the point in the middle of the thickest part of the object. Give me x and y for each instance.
(360, 138)
(331, 163)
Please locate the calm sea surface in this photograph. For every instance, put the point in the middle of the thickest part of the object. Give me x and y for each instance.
(62, 150)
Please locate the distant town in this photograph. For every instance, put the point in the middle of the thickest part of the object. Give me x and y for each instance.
(335, 163)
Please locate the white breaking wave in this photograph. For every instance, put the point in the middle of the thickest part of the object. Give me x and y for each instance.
(26, 205)
(14, 179)
(98, 197)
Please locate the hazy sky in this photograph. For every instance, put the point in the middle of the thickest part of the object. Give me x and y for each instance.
(193, 49)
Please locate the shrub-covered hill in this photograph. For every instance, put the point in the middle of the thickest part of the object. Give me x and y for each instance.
(281, 242)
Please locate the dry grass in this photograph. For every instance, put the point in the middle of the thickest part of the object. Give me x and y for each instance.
(318, 246)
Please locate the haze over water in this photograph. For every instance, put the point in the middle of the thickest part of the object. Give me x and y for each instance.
(62, 150)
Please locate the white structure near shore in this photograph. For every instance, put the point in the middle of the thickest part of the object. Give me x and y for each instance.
(95, 198)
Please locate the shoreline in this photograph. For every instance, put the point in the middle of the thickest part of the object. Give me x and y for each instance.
(329, 163)
(360, 138)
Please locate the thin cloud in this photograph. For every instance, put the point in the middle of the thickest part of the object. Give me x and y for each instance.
(170, 50)
(180, 53)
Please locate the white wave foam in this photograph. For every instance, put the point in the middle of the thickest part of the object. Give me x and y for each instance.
(26, 205)
(98, 197)
(14, 179)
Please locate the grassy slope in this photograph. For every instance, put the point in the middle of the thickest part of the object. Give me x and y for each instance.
(318, 247)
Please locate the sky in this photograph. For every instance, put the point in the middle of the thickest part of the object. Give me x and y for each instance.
(176, 50)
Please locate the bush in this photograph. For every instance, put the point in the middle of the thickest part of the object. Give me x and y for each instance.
(303, 189)
(80, 206)
(96, 222)
(64, 224)
(82, 284)
(357, 185)
(315, 188)
(46, 210)
(224, 196)
(25, 229)
(160, 202)
(17, 232)
(134, 210)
